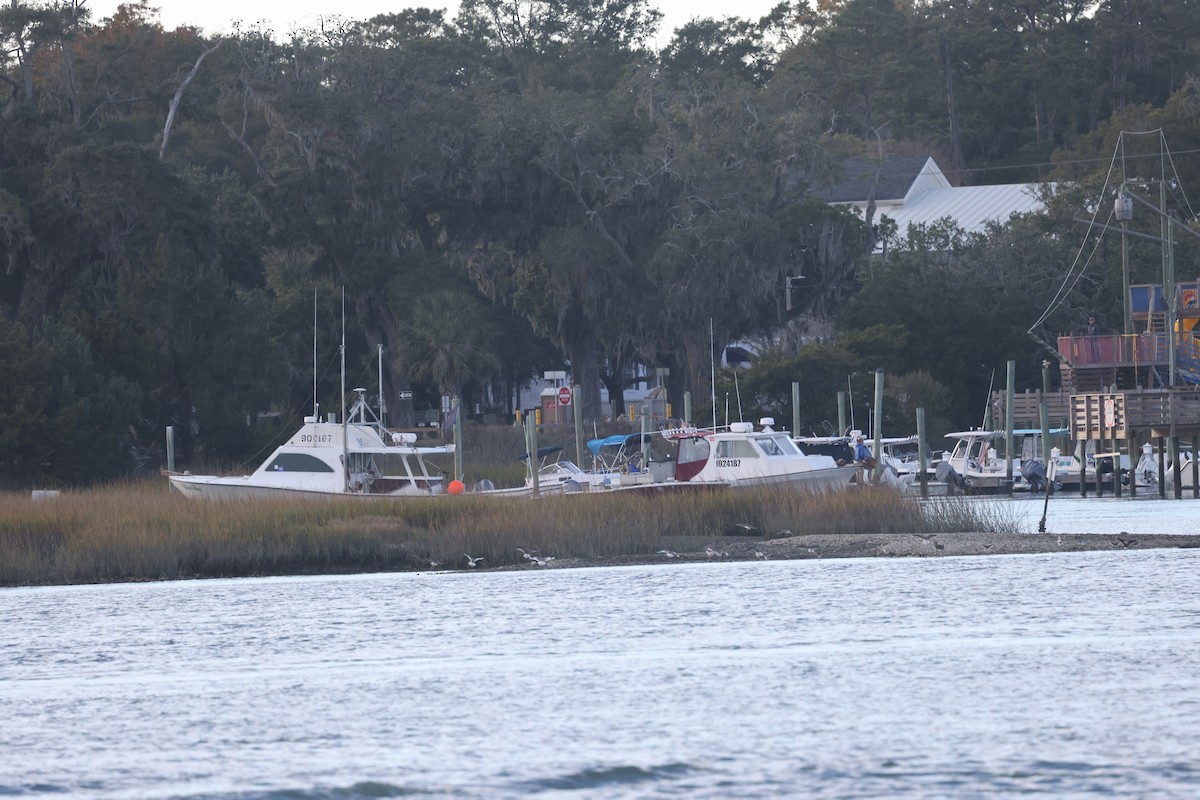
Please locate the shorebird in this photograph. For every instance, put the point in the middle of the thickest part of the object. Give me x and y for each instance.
(760, 554)
(541, 562)
(708, 551)
(472, 561)
(528, 556)
(668, 553)
(433, 563)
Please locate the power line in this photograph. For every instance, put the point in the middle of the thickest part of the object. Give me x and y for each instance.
(1071, 162)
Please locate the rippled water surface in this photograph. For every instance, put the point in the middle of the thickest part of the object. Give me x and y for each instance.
(1063, 675)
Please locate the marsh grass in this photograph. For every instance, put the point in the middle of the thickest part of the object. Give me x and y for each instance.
(141, 532)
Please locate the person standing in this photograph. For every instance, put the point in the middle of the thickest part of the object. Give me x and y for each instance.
(1093, 332)
(863, 457)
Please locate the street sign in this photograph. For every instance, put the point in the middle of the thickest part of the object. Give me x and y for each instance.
(564, 396)
(406, 395)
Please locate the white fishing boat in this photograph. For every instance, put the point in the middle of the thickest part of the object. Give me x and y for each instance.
(976, 461)
(741, 456)
(359, 458)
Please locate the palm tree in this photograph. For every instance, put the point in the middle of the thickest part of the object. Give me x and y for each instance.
(449, 340)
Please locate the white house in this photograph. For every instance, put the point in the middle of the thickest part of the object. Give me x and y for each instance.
(912, 190)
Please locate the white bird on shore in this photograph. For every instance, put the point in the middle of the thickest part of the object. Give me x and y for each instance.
(472, 561)
(668, 553)
(708, 551)
(760, 554)
(433, 563)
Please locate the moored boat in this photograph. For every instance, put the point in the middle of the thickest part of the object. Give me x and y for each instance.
(703, 458)
(359, 458)
(742, 456)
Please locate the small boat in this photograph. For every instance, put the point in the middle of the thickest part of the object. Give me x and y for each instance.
(1147, 469)
(901, 467)
(741, 456)
(359, 458)
(981, 468)
(736, 456)
(555, 474)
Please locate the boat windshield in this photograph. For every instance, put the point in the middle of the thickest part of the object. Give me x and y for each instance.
(560, 466)
(777, 444)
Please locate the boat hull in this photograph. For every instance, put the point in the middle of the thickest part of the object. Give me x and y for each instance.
(205, 487)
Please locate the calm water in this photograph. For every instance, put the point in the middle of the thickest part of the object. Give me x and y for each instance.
(1069, 513)
(1058, 675)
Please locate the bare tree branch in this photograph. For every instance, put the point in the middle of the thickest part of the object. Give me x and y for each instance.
(162, 150)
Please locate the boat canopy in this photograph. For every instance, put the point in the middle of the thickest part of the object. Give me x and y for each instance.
(541, 453)
(618, 440)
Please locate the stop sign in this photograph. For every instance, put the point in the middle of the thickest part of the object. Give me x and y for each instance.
(564, 396)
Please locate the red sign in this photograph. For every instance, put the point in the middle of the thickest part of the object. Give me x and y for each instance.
(564, 396)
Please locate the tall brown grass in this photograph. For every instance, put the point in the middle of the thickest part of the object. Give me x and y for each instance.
(141, 532)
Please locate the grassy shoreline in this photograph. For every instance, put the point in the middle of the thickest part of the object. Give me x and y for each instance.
(140, 532)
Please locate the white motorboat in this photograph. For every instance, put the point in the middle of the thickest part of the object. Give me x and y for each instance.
(1147, 469)
(555, 474)
(901, 467)
(976, 461)
(359, 458)
(737, 456)
(741, 456)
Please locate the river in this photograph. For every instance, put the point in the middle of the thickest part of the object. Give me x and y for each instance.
(1059, 675)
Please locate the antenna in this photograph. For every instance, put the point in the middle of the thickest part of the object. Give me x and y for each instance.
(316, 405)
(738, 390)
(712, 347)
(850, 397)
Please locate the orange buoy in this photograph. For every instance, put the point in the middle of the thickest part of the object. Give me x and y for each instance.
(455, 487)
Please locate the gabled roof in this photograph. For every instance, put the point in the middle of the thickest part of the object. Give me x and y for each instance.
(971, 207)
(899, 177)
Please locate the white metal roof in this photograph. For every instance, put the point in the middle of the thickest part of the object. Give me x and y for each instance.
(971, 207)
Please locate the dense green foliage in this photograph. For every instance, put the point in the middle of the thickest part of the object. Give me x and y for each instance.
(527, 186)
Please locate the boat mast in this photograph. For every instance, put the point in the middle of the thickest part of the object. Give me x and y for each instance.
(382, 409)
(345, 444)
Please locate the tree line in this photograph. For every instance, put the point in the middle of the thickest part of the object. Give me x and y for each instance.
(187, 221)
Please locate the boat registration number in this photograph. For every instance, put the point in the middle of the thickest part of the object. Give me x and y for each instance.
(317, 438)
(729, 462)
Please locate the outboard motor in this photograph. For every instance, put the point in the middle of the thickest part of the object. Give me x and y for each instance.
(1034, 474)
(949, 476)
(1147, 467)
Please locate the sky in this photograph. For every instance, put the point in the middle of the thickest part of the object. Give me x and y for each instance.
(283, 16)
